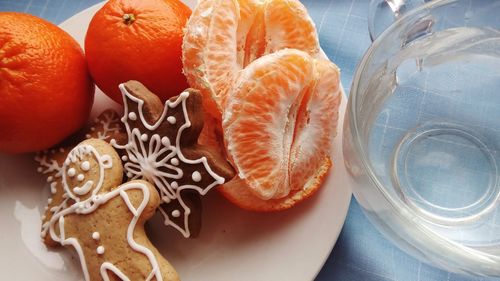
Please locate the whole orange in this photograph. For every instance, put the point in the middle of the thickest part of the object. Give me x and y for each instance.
(138, 40)
(45, 89)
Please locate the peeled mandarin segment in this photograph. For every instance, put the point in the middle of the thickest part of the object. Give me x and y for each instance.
(193, 47)
(209, 49)
(250, 28)
(221, 45)
(259, 120)
(316, 124)
(251, 32)
(288, 25)
(194, 42)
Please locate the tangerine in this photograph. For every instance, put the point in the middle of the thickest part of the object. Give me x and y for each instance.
(46, 92)
(138, 40)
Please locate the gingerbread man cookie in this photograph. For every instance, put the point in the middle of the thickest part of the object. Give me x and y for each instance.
(106, 126)
(163, 148)
(103, 220)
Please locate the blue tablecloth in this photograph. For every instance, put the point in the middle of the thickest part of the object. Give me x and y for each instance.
(361, 252)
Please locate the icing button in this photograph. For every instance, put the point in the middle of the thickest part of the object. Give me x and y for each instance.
(196, 176)
(96, 235)
(132, 116)
(174, 161)
(176, 213)
(100, 250)
(171, 119)
(165, 141)
(71, 172)
(174, 184)
(80, 177)
(85, 166)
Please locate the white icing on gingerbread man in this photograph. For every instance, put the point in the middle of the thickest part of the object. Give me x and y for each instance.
(103, 214)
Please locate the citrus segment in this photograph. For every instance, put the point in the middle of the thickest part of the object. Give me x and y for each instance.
(288, 25)
(251, 32)
(209, 49)
(316, 124)
(259, 120)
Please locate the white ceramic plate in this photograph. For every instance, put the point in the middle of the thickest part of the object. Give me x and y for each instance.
(234, 245)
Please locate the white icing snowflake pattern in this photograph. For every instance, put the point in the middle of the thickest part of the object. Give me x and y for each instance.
(158, 158)
(47, 165)
(109, 121)
(147, 156)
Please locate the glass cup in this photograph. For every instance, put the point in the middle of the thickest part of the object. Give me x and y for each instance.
(422, 134)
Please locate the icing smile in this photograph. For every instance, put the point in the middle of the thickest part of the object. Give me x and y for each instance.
(84, 189)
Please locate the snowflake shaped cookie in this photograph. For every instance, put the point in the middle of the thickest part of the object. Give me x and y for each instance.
(162, 148)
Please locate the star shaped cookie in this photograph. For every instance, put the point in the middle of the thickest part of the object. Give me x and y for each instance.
(162, 147)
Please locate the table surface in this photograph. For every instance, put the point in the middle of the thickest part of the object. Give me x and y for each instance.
(361, 252)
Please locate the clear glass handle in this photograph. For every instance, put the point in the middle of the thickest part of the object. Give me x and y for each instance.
(383, 13)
